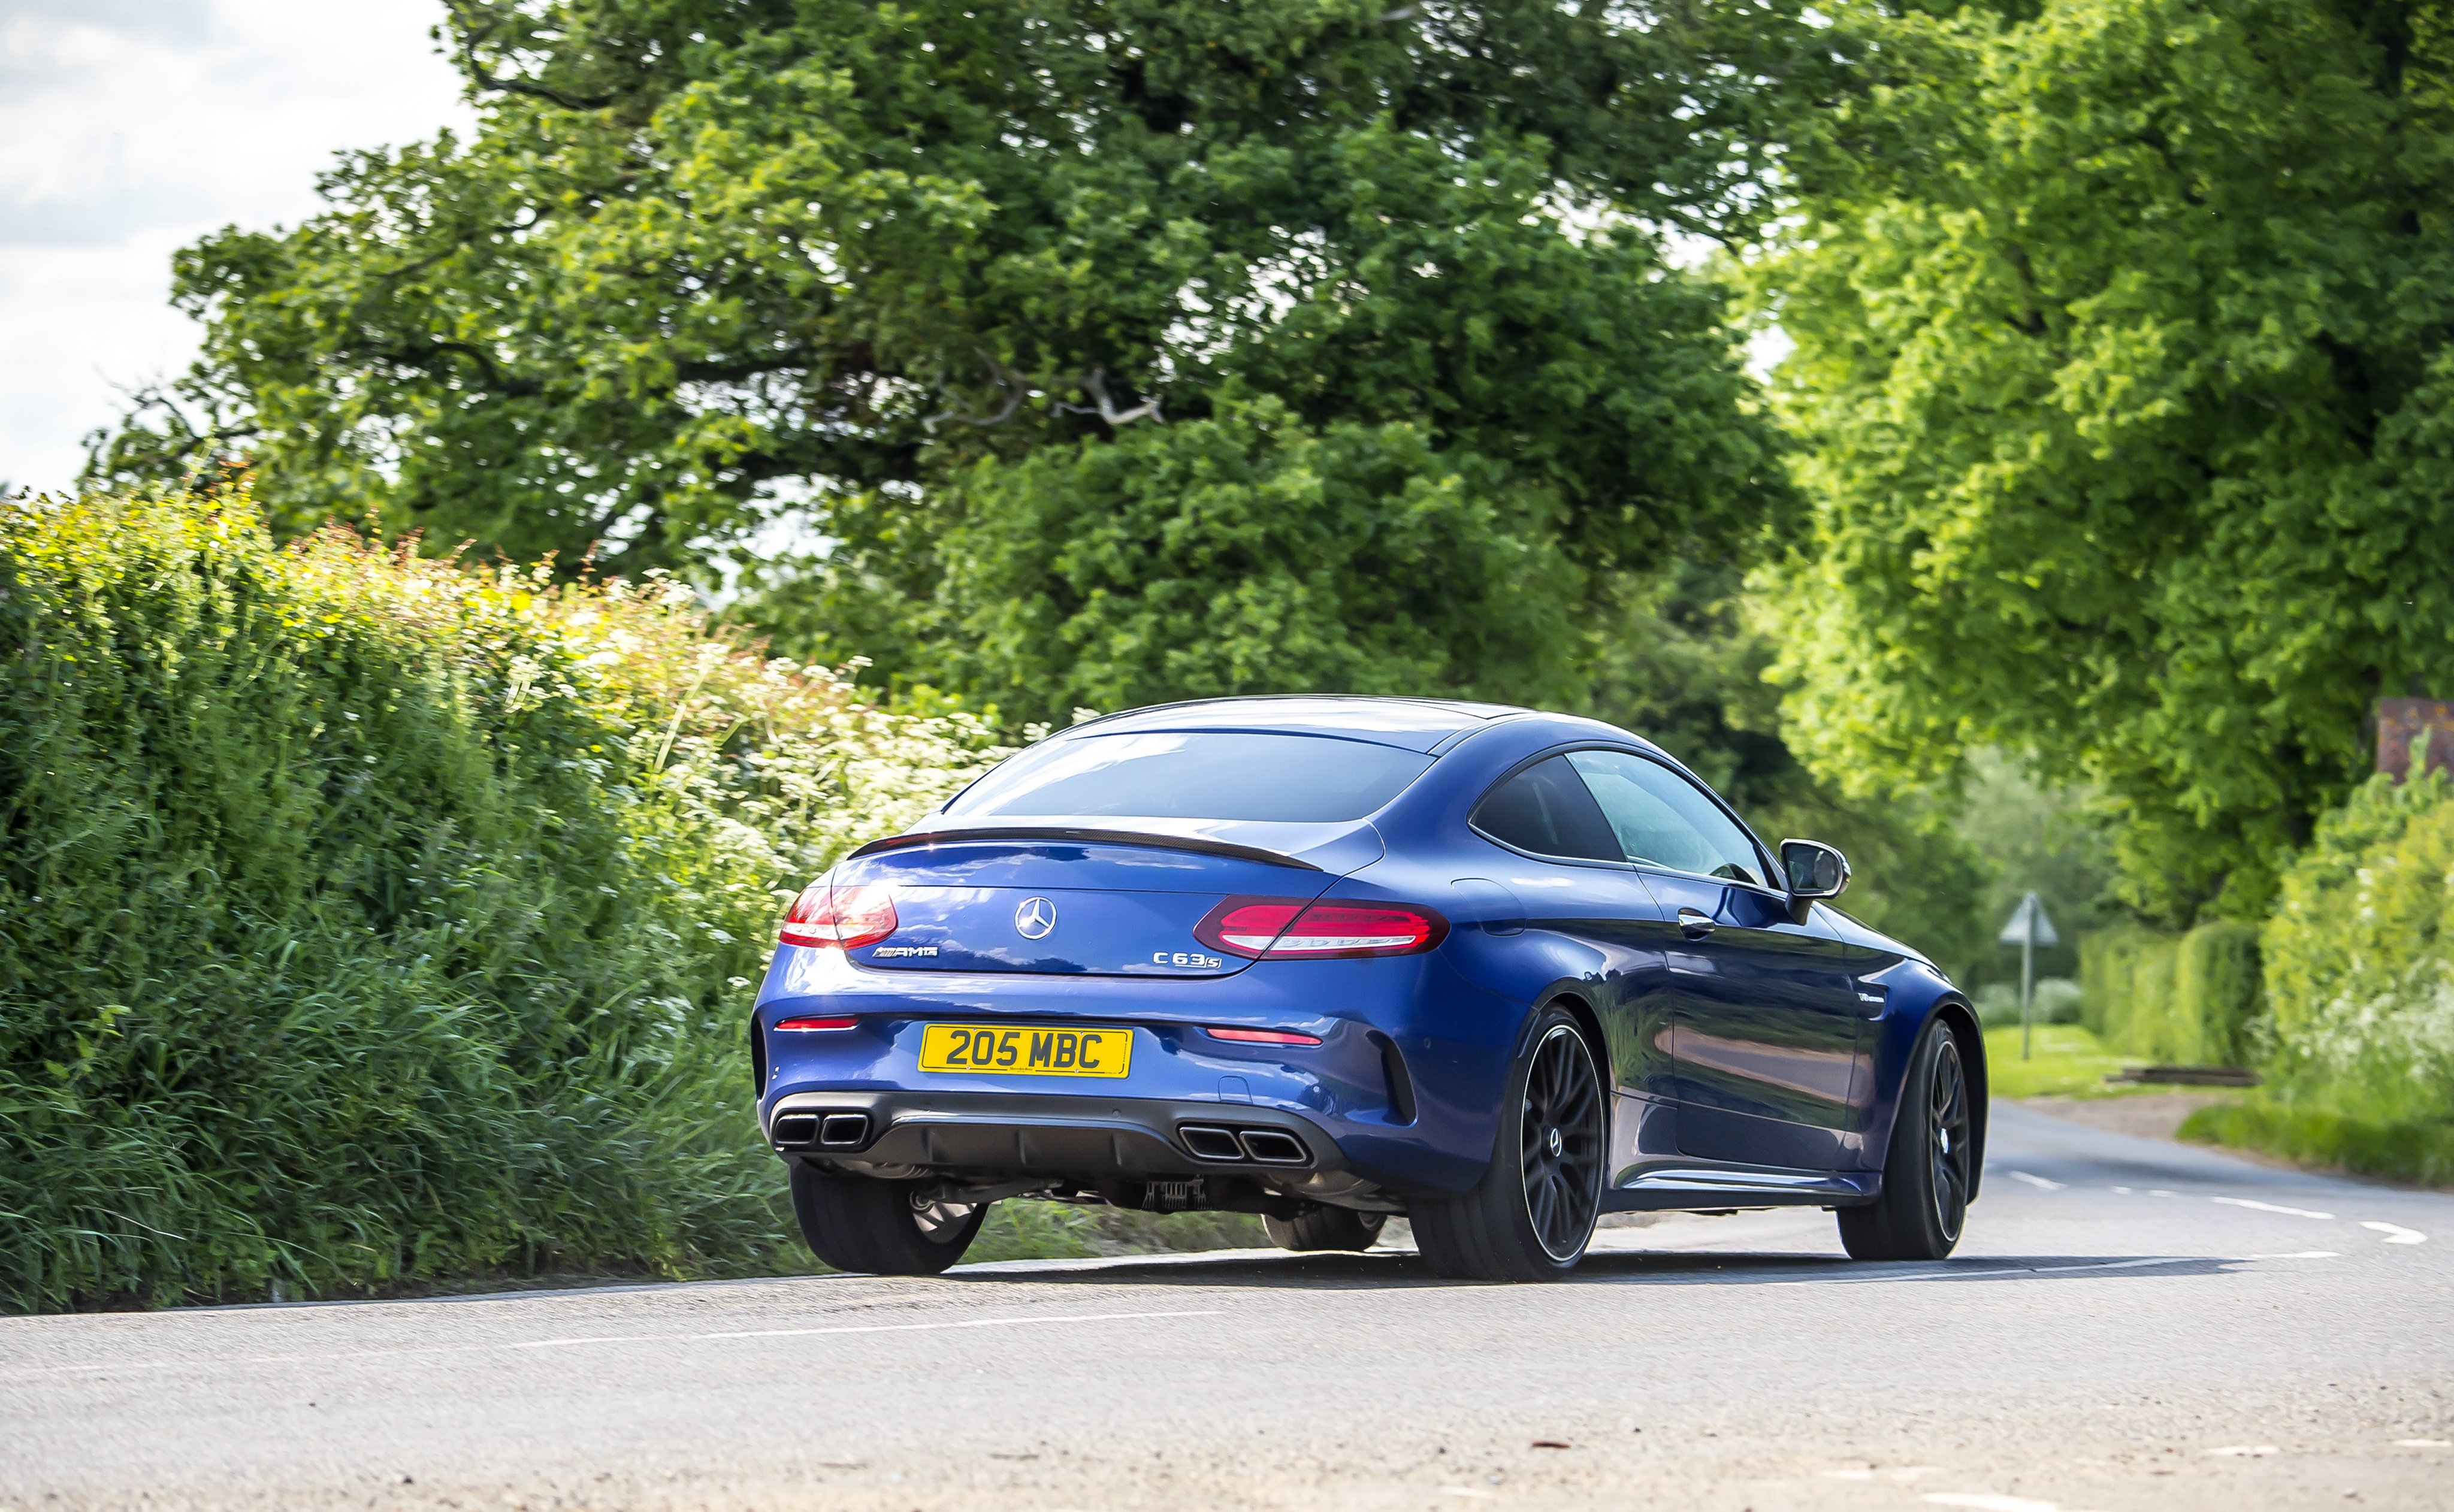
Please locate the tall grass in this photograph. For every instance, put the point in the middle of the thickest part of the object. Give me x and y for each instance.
(366, 919)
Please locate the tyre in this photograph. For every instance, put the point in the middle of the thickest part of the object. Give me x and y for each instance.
(1531, 1215)
(886, 1228)
(1326, 1228)
(1929, 1167)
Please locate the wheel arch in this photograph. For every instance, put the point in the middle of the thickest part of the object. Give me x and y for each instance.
(1956, 1012)
(1575, 1005)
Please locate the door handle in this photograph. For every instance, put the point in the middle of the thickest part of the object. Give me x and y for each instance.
(1693, 924)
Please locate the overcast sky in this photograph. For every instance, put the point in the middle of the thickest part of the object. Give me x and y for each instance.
(128, 128)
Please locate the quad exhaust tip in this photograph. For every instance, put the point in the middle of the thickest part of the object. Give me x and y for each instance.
(1210, 1142)
(1274, 1147)
(827, 1131)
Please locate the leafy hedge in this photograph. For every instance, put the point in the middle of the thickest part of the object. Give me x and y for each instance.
(2360, 954)
(365, 919)
(2358, 1040)
(2181, 999)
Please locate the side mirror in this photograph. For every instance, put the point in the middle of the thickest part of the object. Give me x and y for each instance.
(1814, 869)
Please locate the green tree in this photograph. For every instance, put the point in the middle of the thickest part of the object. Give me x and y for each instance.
(2122, 378)
(1681, 659)
(1243, 551)
(2051, 842)
(707, 266)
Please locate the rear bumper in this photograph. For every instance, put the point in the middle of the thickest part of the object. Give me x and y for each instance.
(1050, 1134)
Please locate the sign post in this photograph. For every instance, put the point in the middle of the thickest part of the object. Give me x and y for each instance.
(2028, 929)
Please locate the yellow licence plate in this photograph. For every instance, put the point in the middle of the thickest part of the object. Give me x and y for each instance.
(1026, 1052)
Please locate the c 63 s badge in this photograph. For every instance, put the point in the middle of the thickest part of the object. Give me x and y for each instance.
(1186, 958)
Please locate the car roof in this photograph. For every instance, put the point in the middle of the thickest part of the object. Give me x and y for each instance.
(1417, 724)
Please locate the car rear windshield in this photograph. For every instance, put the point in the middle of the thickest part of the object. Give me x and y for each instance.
(1291, 778)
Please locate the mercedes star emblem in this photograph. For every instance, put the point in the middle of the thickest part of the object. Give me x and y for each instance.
(1035, 918)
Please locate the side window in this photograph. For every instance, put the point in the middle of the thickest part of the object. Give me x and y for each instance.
(1548, 809)
(1661, 817)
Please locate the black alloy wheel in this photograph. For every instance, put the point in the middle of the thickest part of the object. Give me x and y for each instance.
(1561, 1135)
(1533, 1213)
(1932, 1163)
(1948, 1141)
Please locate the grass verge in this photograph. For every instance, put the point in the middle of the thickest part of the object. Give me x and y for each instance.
(2419, 1152)
(2065, 1059)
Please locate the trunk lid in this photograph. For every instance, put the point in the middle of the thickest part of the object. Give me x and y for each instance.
(1085, 902)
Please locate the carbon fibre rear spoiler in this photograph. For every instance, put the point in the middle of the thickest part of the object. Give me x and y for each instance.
(1164, 842)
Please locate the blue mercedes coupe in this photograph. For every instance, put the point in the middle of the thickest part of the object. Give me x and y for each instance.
(1327, 959)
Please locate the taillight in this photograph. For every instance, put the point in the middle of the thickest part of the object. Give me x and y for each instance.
(1285, 928)
(1262, 1036)
(816, 1024)
(1247, 926)
(839, 918)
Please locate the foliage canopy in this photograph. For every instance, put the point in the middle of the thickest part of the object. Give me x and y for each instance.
(705, 265)
(2122, 378)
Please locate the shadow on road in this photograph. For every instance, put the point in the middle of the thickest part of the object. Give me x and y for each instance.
(1618, 1267)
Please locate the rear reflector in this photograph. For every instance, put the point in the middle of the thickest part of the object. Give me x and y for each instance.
(1281, 928)
(1262, 1036)
(816, 1024)
(839, 917)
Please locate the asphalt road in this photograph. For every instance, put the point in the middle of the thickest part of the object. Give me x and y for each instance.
(2129, 1324)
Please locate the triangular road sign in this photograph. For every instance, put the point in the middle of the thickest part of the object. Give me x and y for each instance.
(2029, 925)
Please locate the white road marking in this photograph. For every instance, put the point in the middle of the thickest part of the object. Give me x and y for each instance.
(2269, 1207)
(2301, 1254)
(2425, 1444)
(2247, 1450)
(2037, 1181)
(2158, 1190)
(2397, 1234)
(1988, 1502)
(617, 1338)
(2003, 1270)
(2124, 1191)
